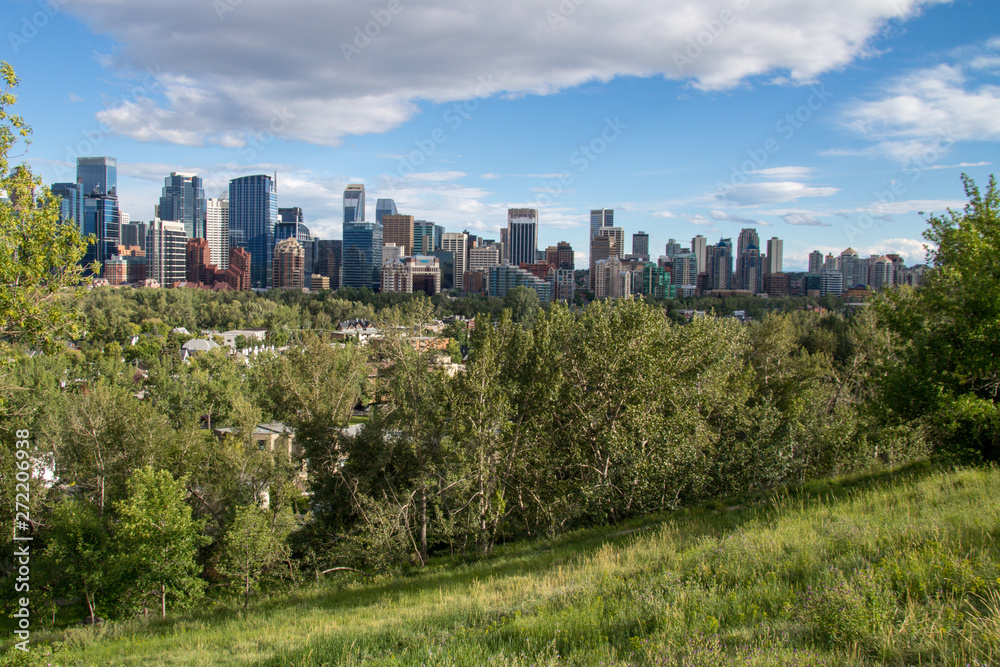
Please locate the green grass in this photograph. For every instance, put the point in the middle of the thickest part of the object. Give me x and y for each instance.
(900, 568)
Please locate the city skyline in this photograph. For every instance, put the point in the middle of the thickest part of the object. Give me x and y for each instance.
(836, 140)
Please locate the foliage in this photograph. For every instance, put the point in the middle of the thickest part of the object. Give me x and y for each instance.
(157, 541)
(948, 332)
(39, 257)
(253, 544)
(76, 552)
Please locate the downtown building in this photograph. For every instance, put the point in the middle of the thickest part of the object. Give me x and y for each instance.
(253, 216)
(522, 236)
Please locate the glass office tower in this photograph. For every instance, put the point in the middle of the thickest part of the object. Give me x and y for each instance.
(253, 215)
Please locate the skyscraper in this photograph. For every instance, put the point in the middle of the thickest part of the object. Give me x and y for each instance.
(293, 228)
(183, 200)
(816, 262)
(288, 270)
(217, 231)
(362, 254)
(166, 252)
(774, 255)
(354, 203)
(522, 236)
(699, 246)
(253, 214)
(720, 265)
(100, 217)
(71, 202)
(291, 214)
(457, 243)
(384, 207)
(399, 229)
(640, 244)
(329, 258)
(601, 217)
(97, 175)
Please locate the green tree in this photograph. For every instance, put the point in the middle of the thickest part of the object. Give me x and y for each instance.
(39, 258)
(522, 302)
(158, 540)
(949, 331)
(252, 545)
(78, 551)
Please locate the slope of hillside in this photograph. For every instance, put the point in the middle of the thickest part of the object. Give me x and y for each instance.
(901, 568)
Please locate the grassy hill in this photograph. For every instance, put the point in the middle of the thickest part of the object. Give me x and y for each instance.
(901, 568)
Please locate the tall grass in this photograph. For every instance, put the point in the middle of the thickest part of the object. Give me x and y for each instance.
(896, 569)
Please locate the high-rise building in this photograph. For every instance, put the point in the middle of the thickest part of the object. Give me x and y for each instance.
(253, 215)
(354, 203)
(71, 202)
(749, 270)
(565, 284)
(183, 200)
(720, 265)
(699, 246)
(522, 236)
(424, 236)
(775, 250)
(197, 261)
(673, 248)
(390, 253)
(640, 244)
(97, 175)
(505, 277)
(481, 259)
(618, 234)
(217, 231)
(290, 214)
(832, 282)
(298, 231)
(816, 262)
(399, 229)
(457, 244)
(561, 255)
(329, 257)
(238, 274)
(362, 260)
(289, 269)
(601, 217)
(685, 269)
(100, 218)
(425, 273)
(602, 246)
(881, 272)
(165, 252)
(134, 234)
(613, 279)
(384, 207)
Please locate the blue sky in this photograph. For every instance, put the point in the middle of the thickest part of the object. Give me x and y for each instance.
(826, 123)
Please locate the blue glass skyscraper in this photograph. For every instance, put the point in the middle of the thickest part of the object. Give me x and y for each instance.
(100, 218)
(183, 200)
(363, 255)
(354, 203)
(97, 175)
(253, 214)
(71, 203)
(384, 207)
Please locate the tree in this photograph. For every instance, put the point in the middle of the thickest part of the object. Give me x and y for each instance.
(158, 539)
(522, 302)
(39, 257)
(78, 551)
(949, 331)
(253, 544)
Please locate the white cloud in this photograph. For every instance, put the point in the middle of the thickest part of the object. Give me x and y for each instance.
(804, 219)
(305, 70)
(791, 173)
(739, 219)
(752, 194)
(923, 113)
